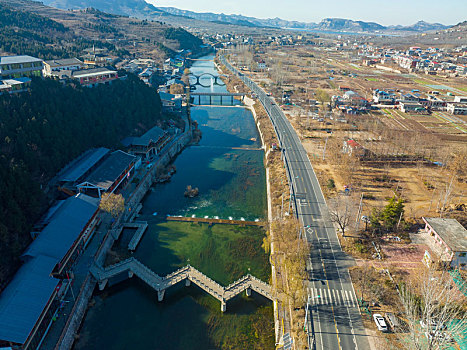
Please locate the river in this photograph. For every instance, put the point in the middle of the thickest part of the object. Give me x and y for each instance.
(227, 167)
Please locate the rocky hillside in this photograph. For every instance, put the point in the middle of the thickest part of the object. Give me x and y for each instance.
(85, 28)
(135, 8)
(420, 26)
(340, 24)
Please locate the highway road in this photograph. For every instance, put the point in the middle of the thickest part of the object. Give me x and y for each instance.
(335, 321)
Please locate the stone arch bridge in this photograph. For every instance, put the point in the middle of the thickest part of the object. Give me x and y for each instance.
(214, 79)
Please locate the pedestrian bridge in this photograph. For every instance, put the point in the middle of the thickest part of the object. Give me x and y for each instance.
(188, 274)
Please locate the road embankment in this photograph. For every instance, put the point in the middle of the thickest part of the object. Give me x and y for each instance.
(279, 208)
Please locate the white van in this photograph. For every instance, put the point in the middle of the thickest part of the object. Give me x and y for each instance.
(380, 323)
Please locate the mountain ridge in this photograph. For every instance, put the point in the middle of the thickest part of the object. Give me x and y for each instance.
(339, 24)
(146, 10)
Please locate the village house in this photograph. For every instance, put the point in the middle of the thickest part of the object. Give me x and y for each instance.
(354, 99)
(383, 97)
(412, 107)
(146, 75)
(171, 102)
(79, 168)
(149, 144)
(261, 65)
(457, 108)
(95, 76)
(352, 147)
(408, 97)
(14, 85)
(97, 58)
(460, 99)
(450, 239)
(436, 104)
(13, 67)
(112, 173)
(54, 67)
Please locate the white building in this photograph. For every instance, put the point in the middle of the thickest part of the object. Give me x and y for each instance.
(12, 67)
(460, 99)
(457, 108)
(451, 238)
(54, 67)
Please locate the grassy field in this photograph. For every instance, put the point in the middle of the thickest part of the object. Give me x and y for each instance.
(421, 82)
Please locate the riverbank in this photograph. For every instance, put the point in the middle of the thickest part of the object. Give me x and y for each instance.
(227, 167)
(268, 138)
(283, 226)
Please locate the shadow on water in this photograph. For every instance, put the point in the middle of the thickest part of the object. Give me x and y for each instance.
(134, 319)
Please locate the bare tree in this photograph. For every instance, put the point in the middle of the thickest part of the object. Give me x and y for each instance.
(455, 172)
(293, 252)
(176, 89)
(434, 310)
(342, 209)
(112, 203)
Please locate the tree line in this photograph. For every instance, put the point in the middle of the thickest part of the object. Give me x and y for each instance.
(185, 39)
(29, 21)
(44, 129)
(25, 33)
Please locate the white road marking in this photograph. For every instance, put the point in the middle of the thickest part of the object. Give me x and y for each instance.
(349, 299)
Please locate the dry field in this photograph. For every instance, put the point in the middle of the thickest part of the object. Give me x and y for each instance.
(438, 137)
(421, 158)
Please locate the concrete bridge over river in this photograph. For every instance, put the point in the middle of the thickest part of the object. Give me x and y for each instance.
(188, 274)
(230, 96)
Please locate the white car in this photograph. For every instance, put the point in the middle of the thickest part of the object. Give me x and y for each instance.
(380, 323)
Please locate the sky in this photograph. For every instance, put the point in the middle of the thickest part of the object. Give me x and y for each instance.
(404, 12)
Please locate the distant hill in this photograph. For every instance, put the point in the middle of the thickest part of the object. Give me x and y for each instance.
(420, 26)
(119, 7)
(340, 24)
(239, 19)
(462, 26)
(144, 10)
(219, 18)
(331, 24)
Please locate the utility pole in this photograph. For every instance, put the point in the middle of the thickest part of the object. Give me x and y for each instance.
(400, 218)
(363, 284)
(282, 205)
(325, 145)
(290, 199)
(359, 212)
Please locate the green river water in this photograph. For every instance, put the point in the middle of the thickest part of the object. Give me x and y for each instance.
(227, 167)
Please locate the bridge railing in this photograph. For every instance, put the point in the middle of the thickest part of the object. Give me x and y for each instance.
(187, 272)
(111, 270)
(202, 277)
(238, 282)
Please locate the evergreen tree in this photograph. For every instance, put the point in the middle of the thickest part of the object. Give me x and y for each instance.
(44, 129)
(388, 218)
